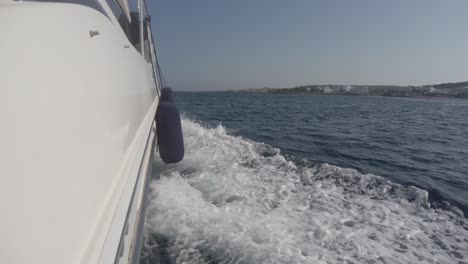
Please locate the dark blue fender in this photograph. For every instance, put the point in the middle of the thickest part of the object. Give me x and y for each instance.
(167, 95)
(169, 133)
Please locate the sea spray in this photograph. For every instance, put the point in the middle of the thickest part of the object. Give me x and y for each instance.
(233, 200)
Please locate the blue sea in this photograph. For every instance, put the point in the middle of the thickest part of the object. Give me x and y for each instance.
(270, 178)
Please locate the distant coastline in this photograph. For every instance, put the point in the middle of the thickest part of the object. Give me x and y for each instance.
(457, 90)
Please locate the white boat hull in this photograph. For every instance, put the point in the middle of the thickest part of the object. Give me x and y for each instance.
(76, 115)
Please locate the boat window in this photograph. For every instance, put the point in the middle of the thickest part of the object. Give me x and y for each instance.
(134, 33)
(89, 3)
(131, 29)
(120, 15)
(146, 39)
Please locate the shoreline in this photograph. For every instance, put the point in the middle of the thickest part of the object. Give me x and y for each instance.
(434, 96)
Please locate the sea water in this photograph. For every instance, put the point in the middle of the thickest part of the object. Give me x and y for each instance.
(312, 179)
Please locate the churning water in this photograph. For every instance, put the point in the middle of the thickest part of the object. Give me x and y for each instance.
(236, 200)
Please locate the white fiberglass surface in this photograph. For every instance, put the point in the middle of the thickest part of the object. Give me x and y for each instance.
(73, 111)
(233, 200)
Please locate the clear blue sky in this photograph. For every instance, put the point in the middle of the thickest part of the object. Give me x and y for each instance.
(222, 44)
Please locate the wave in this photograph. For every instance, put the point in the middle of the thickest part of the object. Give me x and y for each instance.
(233, 200)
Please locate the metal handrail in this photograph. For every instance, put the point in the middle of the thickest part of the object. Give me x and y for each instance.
(145, 19)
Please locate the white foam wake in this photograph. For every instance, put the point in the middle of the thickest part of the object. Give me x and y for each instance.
(236, 201)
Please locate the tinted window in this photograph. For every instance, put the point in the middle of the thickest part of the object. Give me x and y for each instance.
(146, 39)
(131, 29)
(119, 14)
(134, 32)
(90, 3)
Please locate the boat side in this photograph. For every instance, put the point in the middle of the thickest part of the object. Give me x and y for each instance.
(77, 103)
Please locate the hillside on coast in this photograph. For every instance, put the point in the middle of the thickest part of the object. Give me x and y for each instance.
(456, 89)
